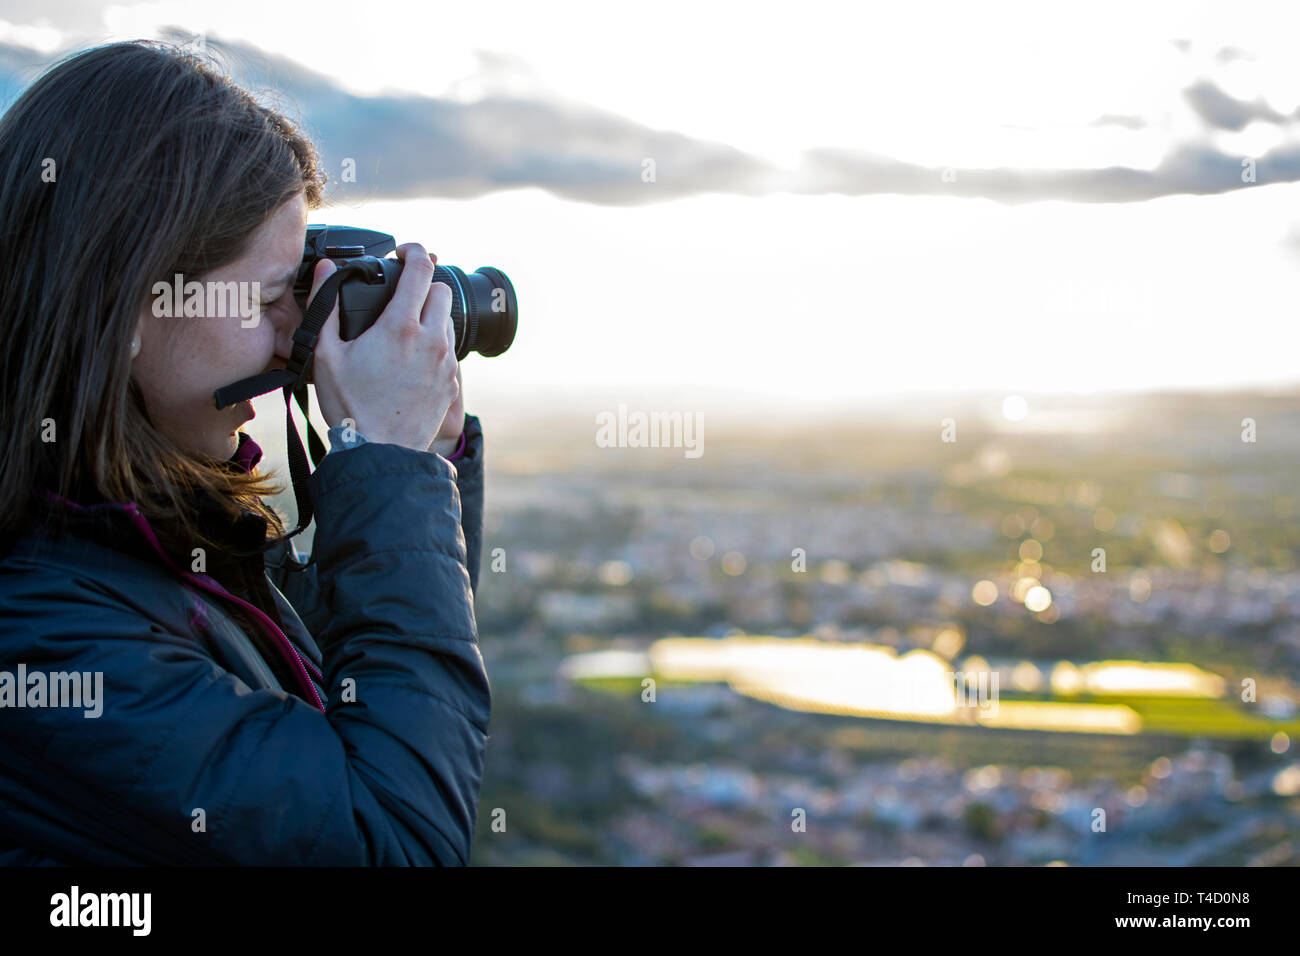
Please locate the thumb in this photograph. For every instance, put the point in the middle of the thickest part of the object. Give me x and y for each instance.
(330, 328)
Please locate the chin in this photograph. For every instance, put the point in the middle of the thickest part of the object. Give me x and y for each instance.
(229, 445)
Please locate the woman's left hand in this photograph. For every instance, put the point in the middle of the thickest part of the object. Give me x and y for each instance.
(448, 437)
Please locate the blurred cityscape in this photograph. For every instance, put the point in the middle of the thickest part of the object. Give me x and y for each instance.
(701, 661)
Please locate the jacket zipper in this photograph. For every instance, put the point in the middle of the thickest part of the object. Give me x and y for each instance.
(282, 641)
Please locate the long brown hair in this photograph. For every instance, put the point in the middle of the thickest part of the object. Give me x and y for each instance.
(121, 166)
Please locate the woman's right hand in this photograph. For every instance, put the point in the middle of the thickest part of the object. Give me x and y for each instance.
(397, 380)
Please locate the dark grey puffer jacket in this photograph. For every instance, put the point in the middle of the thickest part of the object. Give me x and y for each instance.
(251, 714)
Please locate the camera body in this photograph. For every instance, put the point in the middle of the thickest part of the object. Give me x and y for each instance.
(484, 310)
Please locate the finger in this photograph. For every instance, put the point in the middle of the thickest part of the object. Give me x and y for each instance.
(405, 249)
(330, 332)
(437, 312)
(324, 269)
(429, 309)
(413, 284)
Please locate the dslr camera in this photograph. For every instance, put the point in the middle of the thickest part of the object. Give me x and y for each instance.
(484, 311)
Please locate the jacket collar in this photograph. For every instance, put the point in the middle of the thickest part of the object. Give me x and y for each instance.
(119, 522)
(247, 455)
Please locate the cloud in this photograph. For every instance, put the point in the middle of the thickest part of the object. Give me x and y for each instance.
(420, 146)
(1190, 169)
(75, 15)
(1221, 111)
(19, 66)
(406, 146)
(1229, 53)
(518, 135)
(1127, 122)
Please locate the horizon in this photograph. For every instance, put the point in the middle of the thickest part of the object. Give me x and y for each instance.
(569, 422)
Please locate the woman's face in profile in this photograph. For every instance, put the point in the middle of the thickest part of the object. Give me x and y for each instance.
(184, 359)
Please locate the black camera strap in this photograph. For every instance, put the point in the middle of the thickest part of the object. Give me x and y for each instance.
(293, 380)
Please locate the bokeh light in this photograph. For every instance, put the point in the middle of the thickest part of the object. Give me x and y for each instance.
(1038, 598)
(984, 593)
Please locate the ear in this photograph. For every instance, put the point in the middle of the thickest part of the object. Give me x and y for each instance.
(136, 341)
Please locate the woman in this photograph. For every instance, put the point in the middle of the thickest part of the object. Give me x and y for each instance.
(250, 711)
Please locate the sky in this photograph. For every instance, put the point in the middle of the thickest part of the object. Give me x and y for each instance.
(850, 200)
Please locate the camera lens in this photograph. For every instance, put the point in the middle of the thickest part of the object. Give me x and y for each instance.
(484, 311)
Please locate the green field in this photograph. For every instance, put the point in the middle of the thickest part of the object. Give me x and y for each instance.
(1163, 716)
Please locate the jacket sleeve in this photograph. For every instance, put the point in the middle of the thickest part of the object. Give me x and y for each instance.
(300, 587)
(187, 765)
